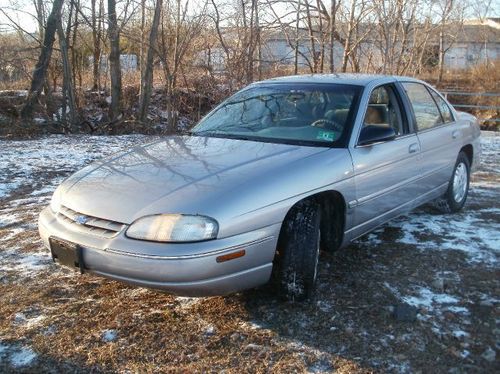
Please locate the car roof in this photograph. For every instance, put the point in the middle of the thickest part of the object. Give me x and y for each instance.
(339, 78)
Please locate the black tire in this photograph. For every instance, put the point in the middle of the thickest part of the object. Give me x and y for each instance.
(454, 199)
(298, 252)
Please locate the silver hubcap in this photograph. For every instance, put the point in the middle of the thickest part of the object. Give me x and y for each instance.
(460, 182)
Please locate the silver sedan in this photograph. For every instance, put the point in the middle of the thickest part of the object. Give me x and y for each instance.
(278, 171)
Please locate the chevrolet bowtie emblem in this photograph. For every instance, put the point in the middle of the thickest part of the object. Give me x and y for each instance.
(81, 220)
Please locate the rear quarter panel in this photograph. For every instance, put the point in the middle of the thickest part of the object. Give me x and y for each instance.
(471, 133)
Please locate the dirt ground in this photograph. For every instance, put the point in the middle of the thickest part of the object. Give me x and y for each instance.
(419, 295)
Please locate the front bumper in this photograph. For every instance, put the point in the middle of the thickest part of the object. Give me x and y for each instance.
(188, 269)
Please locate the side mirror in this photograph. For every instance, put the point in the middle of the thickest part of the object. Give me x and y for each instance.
(376, 133)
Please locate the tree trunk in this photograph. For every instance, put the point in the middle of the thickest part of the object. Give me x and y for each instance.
(40, 17)
(147, 77)
(42, 64)
(310, 27)
(172, 77)
(143, 42)
(321, 62)
(347, 44)
(114, 62)
(297, 37)
(75, 53)
(96, 42)
(258, 41)
(250, 47)
(441, 56)
(68, 89)
(333, 15)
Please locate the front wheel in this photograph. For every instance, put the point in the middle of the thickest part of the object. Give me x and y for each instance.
(458, 188)
(298, 252)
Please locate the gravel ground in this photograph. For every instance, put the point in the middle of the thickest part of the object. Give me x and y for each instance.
(420, 294)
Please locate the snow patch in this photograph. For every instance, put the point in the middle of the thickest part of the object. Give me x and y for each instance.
(22, 357)
(17, 356)
(22, 161)
(466, 232)
(427, 299)
(109, 335)
(22, 320)
(252, 325)
(209, 330)
(18, 93)
(458, 310)
(24, 263)
(460, 334)
(186, 303)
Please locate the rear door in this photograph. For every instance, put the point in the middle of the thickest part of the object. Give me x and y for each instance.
(438, 135)
(385, 172)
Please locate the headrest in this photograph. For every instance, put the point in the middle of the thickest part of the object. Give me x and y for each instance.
(376, 114)
(337, 115)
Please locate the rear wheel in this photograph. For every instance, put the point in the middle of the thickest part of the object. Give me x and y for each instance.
(458, 188)
(298, 252)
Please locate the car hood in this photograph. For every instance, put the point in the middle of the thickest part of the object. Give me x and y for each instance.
(178, 174)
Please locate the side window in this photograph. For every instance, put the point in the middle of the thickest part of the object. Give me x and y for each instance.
(426, 112)
(384, 109)
(443, 107)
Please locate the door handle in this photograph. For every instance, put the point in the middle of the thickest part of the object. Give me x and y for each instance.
(413, 148)
(455, 134)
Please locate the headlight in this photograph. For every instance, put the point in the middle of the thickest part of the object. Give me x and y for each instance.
(55, 202)
(173, 228)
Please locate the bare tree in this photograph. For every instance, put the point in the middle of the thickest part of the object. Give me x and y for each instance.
(332, 31)
(450, 21)
(297, 39)
(40, 17)
(40, 72)
(114, 62)
(240, 39)
(68, 88)
(355, 31)
(147, 75)
(178, 29)
(143, 41)
(96, 25)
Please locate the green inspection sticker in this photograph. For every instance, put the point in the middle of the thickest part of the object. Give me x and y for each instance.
(326, 135)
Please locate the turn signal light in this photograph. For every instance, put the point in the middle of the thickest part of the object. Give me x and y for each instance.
(231, 256)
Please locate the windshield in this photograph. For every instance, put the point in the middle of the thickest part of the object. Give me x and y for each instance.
(317, 114)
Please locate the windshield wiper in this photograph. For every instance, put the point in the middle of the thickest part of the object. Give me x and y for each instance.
(221, 134)
(239, 127)
(202, 133)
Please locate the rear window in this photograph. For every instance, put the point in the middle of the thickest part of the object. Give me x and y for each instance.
(443, 107)
(426, 111)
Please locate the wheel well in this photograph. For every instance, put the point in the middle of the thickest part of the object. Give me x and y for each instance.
(468, 150)
(333, 208)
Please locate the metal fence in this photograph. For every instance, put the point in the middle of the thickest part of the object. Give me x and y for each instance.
(471, 107)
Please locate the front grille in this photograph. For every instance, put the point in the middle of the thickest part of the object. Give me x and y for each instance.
(88, 224)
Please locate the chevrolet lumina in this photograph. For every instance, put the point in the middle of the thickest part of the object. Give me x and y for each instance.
(277, 172)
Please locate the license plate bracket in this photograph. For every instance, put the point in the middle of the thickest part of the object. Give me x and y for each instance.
(67, 253)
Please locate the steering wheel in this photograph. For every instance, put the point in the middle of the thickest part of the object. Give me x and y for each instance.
(327, 124)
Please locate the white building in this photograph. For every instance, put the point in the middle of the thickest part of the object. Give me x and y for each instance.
(478, 42)
(127, 62)
(474, 42)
